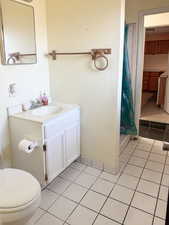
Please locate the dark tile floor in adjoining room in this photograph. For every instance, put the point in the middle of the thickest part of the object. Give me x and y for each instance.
(154, 130)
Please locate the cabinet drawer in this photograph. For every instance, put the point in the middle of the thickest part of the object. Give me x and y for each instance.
(60, 123)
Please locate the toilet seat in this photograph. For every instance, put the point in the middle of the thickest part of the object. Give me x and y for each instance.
(18, 189)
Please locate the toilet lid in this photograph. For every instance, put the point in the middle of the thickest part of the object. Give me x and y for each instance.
(17, 188)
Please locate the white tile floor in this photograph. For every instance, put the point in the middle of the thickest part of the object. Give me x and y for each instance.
(86, 196)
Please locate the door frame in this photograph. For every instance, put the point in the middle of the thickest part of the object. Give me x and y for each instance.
(140, 58)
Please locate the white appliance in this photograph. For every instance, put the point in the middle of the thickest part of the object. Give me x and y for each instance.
(56, 130)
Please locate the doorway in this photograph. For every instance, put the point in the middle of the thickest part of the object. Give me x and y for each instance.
(152, 114)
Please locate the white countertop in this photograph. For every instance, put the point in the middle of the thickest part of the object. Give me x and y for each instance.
(28, 115)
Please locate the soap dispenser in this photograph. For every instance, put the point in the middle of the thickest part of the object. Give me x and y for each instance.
(44, 99)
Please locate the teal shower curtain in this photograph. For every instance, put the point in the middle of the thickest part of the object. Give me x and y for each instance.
(127, 126)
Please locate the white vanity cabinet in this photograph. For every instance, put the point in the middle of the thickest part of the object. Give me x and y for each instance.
(58, 142)
(62, 143)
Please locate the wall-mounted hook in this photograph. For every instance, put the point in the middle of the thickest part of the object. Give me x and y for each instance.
(53, 54)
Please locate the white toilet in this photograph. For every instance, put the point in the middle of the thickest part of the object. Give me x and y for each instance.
(20, 196)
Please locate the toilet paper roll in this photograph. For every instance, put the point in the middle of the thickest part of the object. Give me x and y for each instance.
(27, 146)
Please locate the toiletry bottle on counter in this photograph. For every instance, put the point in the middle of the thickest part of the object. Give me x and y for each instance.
(44, 99)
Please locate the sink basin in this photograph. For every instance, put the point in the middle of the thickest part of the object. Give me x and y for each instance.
(46, 110)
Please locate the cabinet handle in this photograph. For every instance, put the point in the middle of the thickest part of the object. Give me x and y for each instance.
(44, 148)
(46, 177)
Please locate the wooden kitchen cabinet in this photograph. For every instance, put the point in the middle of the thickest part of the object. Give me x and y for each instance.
(156, 47)
(145, 81)
(153, 83)
(150, 80)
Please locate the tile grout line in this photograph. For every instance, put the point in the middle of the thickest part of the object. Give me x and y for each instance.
(130, 205)
(112, 190)
(82, 198)
(98, 213)
(114, 184)
(160, 185)
(159, 188)
(59, 194)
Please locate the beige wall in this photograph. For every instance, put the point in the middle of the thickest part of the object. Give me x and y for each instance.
(156, 62)
(156, 20)
(29, 79)
(81, 26)
(133, 7)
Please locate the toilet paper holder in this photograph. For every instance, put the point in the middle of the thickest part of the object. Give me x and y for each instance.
(28, 145)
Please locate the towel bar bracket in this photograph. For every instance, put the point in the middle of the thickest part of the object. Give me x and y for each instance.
(95, 54)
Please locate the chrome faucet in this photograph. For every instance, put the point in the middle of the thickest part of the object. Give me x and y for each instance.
(35, 104)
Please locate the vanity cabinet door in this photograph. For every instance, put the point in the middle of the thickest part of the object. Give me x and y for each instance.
(55, 156)
(72, 143)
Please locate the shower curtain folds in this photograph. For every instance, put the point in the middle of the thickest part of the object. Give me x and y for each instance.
(127, 125)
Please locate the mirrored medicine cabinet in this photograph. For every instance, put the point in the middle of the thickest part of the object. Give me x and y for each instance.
(17, 33)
